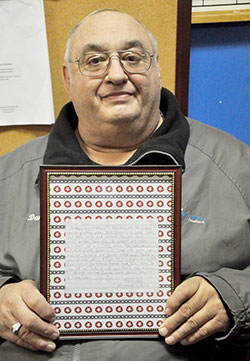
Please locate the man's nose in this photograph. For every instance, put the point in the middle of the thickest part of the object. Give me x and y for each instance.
(115, 72)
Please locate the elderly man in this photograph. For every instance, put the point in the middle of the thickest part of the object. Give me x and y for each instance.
(119, 114)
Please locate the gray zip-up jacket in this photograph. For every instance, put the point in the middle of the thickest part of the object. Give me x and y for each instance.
(215, 234)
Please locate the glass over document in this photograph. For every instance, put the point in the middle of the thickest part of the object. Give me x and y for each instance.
(110, 248)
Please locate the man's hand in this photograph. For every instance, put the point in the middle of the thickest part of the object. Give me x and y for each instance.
(22, 302)
(195, 311)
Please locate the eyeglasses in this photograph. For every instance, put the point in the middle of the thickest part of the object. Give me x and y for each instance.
(133, 62)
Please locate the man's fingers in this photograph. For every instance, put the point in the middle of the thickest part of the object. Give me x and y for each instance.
(203, 332)
(37, 303)
(34, 323)
(31, 341)
(22, 302)
(198, 327)
(197, 317)
(190, 326)
(22, 343)
(185, 291)
(27, 338)
(30, 321)
(35, 341)
(29, 317)
(29, 307)
(185, 313)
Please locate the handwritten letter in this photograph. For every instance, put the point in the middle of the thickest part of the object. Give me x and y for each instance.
(111, 256)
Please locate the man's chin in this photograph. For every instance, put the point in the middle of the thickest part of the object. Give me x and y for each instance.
(123, 118)
(121, 114)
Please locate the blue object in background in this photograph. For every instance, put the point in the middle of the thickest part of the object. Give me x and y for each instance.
(219, 87)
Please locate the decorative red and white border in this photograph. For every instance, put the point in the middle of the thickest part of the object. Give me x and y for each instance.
(131, 193)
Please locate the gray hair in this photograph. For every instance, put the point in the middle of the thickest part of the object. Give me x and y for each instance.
(73, 30)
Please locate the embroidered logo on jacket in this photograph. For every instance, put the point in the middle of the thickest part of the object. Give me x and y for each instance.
(33, 217)
(192, 219)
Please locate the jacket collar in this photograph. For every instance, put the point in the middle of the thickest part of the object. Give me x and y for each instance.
(166, 146)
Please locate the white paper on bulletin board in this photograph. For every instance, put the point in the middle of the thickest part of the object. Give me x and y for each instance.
(25, 82)
(220, 5)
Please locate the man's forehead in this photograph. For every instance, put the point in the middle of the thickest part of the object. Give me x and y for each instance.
(107, 28)
(105, 46)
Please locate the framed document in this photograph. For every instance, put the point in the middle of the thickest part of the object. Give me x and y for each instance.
(110, 244)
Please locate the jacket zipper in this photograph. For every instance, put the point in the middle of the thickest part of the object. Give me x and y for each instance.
(76, 354)
(155, 151)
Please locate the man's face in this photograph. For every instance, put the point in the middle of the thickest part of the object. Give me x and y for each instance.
(115, 99)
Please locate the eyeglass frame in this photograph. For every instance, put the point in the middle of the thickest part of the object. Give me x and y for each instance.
(109, 62)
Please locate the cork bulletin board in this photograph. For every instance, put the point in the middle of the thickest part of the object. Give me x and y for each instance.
(160, 16)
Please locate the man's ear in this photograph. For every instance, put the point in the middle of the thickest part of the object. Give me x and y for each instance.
(66, 77)
(158, 68)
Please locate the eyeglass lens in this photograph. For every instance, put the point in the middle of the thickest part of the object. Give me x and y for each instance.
(97, 63)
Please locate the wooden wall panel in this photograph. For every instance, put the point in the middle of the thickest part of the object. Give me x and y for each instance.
(160, 16)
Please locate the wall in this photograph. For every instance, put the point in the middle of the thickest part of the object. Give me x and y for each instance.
(160, 16)
(219, 88)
